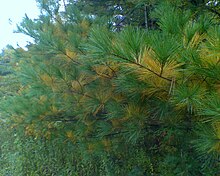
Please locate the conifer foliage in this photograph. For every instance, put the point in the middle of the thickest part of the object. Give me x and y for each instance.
(97, 101)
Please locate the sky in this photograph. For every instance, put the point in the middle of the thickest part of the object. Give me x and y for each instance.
(11, 13)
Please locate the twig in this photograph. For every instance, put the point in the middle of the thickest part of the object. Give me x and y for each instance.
(141, 66)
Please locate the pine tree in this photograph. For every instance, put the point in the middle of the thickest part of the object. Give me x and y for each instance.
(135, 101)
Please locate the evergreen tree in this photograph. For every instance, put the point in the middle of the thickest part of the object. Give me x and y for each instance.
(128, 102)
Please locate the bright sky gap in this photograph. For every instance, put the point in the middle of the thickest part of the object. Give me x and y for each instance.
(11, 14)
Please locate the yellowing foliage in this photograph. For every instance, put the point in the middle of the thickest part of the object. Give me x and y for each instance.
(42, 99)
(70, 135)
(71, 54)
(48, 80)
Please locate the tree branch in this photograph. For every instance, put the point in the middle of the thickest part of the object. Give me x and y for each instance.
(141, 66)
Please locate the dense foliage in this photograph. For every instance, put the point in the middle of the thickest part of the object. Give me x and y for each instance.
(129, 89)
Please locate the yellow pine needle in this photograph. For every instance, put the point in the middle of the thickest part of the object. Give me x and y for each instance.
(42, 99)
(54, 110)
(91, 147)
(168, 70)
(196, 39)
(70, 135)
(71, 54)
(107, 144)
(76, 85)
(30, 130)
(103, 71)
(132, 111)
(47, 135)
(118, 122)
(47, 79)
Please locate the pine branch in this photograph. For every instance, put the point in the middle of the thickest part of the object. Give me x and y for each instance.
(113, 71)
(72, 91)
(141, 66)
(64, 53)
